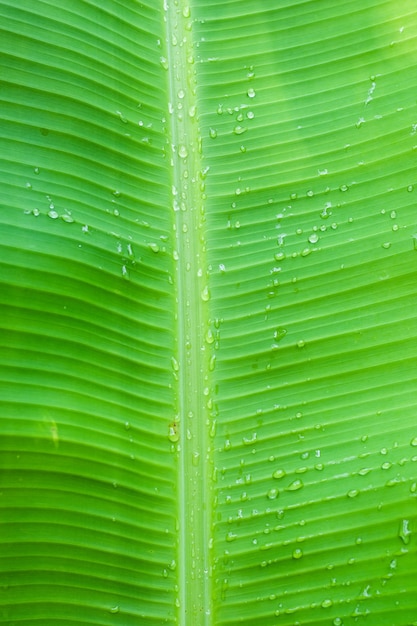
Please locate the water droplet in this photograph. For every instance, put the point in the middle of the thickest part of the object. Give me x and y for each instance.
(405, 532)
(337, 622)
(114, 609)
(213, 133)
(343, 187)
(67, 218)
(239, 130)
(53, 214)
(413, 442)
(251, 93)
(205, 294)
(297, 553)
(154, 247)
(173, 434)
(313, 238)
(279, 473)
(326, 603)
(272, 494)
(183, 152)
(36, 212)
(353, 493)
(295, 485)
(279, 334)
(231, 536)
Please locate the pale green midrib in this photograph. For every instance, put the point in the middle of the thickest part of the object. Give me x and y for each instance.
(191, 362)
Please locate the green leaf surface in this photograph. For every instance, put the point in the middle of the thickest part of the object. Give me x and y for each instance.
(208, 295)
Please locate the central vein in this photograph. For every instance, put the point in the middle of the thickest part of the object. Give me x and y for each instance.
(193, 360)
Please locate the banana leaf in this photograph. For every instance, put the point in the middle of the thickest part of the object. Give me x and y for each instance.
(208, 312)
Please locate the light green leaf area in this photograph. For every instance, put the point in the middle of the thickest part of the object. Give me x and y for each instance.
(208, 312)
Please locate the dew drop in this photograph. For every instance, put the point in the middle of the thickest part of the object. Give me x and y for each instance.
(114, 609)
(183, 152)
(279, 473)
(326, 603)
(205, 294)
(272, 494)
(413, 442)
(173, 434)
(213, 133)
(313, 238)
(297, 553)
(239, 130)
(154, 247)
(405, 531)
(251, 93)
(279, 334)
(53, 214)
(295, 485)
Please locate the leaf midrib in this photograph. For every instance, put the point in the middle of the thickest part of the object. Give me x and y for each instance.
(191, 361)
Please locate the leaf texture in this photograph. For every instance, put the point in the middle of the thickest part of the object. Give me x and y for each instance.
(208, 268)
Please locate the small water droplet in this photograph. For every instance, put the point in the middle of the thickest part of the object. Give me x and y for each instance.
(231, 536)
(239, 130)
(352, 493)
(114, 609)
(53, 214)
(272, 494)
(297, 553)
(213, 133)
(279, 334)
(251, 93)
(295, 485)
(343, 187)
(405, 531)
(183, 152)
(326, 603)
(205, 294)
(279, 473)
